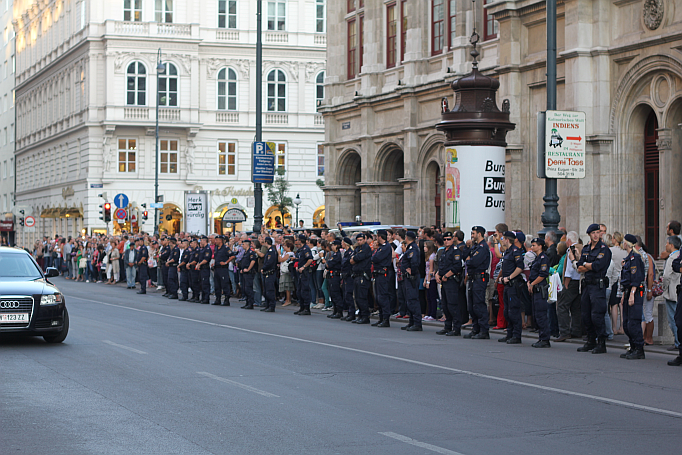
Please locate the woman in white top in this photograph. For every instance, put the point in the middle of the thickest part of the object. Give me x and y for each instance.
(618, 255)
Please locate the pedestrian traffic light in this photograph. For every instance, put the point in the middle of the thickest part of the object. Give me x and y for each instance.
(21, 221)
(107, 212)
(145, 215)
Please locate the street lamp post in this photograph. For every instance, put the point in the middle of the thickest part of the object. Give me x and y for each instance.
(297, 202)
(160, 68)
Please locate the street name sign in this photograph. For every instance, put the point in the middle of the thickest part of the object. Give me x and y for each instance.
(263, 161)
(565, 145)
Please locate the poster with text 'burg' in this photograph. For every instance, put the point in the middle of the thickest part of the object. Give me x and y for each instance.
(565, 145)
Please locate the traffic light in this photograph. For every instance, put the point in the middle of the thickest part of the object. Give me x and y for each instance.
(144, 206)
(145, 214)
(107, 212)
(21, 220)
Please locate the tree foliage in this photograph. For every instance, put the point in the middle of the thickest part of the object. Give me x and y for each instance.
(277, 193)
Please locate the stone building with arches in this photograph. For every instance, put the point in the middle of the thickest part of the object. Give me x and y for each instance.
(86, 99)
(619, 61)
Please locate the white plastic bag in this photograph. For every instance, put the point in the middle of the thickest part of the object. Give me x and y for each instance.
(554, 287)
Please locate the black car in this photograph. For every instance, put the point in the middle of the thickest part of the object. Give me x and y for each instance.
(29, 303)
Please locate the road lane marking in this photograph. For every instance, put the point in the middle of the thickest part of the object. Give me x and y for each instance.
(238, 384)
(137, 351)
(420, 444)
(606, 400)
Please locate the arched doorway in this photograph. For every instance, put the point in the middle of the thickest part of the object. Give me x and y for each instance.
(171, 219)
(350, 173)
(651, 188)
(223, 228)
(273, 216)
(391, 193)
(433, 191)
(319, 217)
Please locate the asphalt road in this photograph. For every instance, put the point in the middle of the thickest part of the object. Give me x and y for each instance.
(145, 375)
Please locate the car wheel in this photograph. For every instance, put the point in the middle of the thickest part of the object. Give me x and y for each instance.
(61, 336)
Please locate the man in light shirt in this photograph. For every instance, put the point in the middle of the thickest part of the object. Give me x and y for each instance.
(568, 302)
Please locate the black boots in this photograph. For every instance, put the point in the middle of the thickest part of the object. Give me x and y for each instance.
(636, 354)
(587, 347)
(601, 346)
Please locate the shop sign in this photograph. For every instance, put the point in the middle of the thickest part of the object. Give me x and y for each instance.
(196, 213)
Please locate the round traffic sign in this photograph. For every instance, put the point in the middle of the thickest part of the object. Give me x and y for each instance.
(29, 221)
(121, 214)
(233, 201)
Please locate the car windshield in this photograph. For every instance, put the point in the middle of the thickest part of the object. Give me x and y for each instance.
(17, 265)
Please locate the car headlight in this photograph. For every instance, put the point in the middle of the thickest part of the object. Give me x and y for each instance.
(53, 299)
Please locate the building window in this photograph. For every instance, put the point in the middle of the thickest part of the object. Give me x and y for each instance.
(320, 160)
(137, 85)
(164, 11)
(403, 29)
(319, 88)
(168, 86)
(227, 89)
(437, 26)
(280, 157)
(132, 10)
(352, 48)
(361, 41)
(351, 5)
(277, 15)
(11, 167)
(452, 26)
(227, 158)
(489, 24)
(4, 170)
(127, 150)
(227, 13)
(277, 87)
(392, 35)
(320, 12)
(168, 150)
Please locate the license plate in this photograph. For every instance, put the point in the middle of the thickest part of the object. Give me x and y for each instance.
(13, 318)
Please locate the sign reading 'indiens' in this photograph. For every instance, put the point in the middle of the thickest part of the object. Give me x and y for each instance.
(565, 145)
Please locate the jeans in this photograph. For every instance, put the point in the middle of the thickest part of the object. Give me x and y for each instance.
(607, 318)
(325, 291)
(130, 275)
(234, 279)
(257, 289)
(671, 306)
(88, 271)
(212, 282)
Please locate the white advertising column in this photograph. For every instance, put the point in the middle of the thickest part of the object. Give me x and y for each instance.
(474, 187)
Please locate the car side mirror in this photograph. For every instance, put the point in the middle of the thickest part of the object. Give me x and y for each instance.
(51, 272)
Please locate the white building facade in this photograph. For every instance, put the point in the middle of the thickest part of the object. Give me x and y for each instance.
(7, 221)
(86, 102)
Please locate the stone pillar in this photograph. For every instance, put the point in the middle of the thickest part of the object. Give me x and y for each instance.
(667, 180)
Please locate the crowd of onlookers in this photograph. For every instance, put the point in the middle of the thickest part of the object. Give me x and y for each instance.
(104, 259)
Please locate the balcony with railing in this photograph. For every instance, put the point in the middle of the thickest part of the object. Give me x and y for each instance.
(149, 29)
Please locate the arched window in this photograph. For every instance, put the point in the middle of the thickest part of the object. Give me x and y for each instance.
(136, 87)
(277, 89)
(319, 88)
(168, 86)
(227, 89)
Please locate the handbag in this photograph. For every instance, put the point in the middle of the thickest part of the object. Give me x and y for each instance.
(83, 263)
(555, 287)
(657, 288)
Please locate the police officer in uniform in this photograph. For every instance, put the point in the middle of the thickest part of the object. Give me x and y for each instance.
(539, 289)
(382, 260)
(304, 258)
(247, 269)
(221, 277)
(269, 272)
(477, 279)
(172, 265)
(362, 266)
(141, 258)
(677, 267)
(204, 268)
(449, 276)
(632, 279)
(348, 281)
(512, 268)
(183, 269)
(409, 270)
(594, 262)
(164, 252)
(333, 266)
(194, 274)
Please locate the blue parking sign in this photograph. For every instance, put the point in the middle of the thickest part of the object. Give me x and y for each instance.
(263, 160)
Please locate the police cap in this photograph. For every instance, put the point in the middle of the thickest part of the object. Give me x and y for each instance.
(360, 236)
(521, 237)
(411, 235)
(447, 235)
(509, 235)
(382, 233)
(301, 237)
(592, 227)
(538, 241)
(174, 240)
(336, 242)
(479, 229)
(631, 239)
(347, 241)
